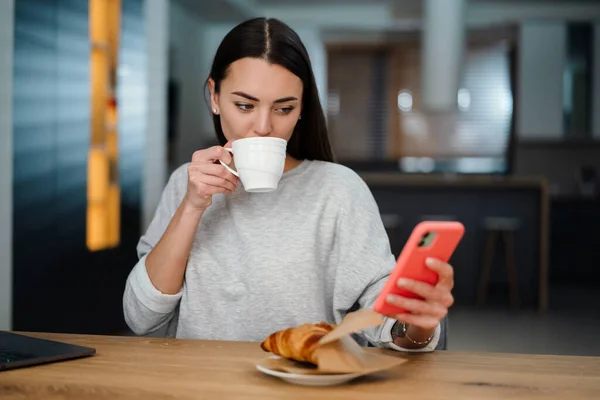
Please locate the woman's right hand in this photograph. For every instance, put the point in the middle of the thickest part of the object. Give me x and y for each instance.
(206, 177)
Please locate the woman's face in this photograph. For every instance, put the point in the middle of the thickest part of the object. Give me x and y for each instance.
(257, 99)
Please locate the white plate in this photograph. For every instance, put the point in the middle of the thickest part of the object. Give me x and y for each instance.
(309, 380)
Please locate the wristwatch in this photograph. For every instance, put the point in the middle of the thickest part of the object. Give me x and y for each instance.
(400, 330)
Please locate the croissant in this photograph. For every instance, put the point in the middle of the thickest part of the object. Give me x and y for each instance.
(297, 343)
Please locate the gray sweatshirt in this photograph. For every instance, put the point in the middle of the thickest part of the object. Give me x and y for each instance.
(310, 251)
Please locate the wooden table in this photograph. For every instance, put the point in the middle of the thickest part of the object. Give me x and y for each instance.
(151, 368)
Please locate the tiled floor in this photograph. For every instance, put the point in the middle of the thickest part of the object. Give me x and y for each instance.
(571, 326)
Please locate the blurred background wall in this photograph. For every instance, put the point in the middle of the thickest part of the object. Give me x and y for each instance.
(57, 283)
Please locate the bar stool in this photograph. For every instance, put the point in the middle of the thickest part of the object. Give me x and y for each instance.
(496, 228)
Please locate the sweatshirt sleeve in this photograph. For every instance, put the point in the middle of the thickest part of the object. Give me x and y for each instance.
(145, 308)
(364, 262)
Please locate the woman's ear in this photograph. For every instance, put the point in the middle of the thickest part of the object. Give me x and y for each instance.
(214, 96)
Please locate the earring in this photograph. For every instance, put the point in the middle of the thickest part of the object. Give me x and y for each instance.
(215, 110)
(300, 117)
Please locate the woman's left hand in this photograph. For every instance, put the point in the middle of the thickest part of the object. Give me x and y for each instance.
(427, 313)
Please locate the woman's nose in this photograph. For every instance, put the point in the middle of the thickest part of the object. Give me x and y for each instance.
(262, 125)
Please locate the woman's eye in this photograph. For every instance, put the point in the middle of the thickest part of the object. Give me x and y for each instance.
(285, 110)
(244, 106)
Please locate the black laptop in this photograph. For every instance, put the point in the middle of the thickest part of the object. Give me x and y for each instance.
(22, 351)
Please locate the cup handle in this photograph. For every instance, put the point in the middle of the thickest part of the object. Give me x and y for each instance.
(227, 166)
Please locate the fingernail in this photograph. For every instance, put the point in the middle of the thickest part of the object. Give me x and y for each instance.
(402, 282)
(430, 262)
(392, 298)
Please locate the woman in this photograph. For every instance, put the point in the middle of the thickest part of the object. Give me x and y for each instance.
(220, 263)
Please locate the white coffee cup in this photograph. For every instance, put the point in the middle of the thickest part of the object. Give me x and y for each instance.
(259, 162)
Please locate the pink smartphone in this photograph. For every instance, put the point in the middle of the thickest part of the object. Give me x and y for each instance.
(437, 239)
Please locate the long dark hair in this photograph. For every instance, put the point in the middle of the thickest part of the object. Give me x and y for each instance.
(277, 43)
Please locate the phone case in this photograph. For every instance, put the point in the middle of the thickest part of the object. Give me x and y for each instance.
(411, 262)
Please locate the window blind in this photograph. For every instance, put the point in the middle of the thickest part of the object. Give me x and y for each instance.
(378, 115)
